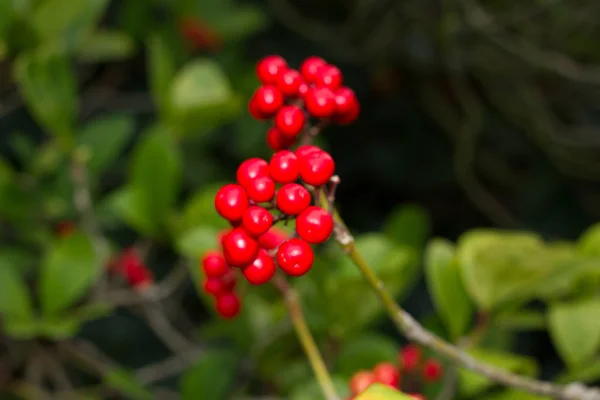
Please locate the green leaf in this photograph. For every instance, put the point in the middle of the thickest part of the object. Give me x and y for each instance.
(106, 45)
(58, 327)
(239, 22)
(46, 81)
(472, 384)
(311, 390)
(587, 373)
(408, 225)
(511, 394)
(105, 138)
(20, 328)
(68, 271)
(155, 177)
(589, 242)
(378, 391)
(6, 14)
(161, 68)
(201, 97)
(122, 203)
(364, 352)
(125, 382)
(200, 210)
(446, 287)
(521, 320)
(15, 203)
(195, 242)
(575, 329)
(15, 300)
(211, 378)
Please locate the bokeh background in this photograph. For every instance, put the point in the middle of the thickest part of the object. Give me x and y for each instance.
(484, 114)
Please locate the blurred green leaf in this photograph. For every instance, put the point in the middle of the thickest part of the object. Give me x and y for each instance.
(211, 378)
(472, 384)
(155, 177)
(510, 394)
(161, 68)
(408, 225)
(125, 382)
(68, 271)
(239, 22)
(446, 287)
(15, 203)
(6, 13)
(58, 327)
(195, 242)
(364, 352)
(106, 45)
(47, 83)
(382, 392)
(587, 373)
(310, 390)
(575, 329)
(201, 97)
(200, 210)
(122, 203)
(15, 299)
(589, 242)
(21, 328)
(521, 320)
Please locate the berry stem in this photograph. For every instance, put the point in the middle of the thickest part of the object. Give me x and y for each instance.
(306, 339)
(415, 332)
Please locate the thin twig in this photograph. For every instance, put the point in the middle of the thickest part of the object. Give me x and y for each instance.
(161, 325)
(166, 368)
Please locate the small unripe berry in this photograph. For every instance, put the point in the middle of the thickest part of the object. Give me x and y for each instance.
(290, 121)
(432, 370)
(410, 357)
(329, 76)
(320, 102)
(265, 102)
(292, 199)
(261, 189)
(295, 257)
(270, 68)
(310, 66)
(284, 167)
(261, 270)
(231, 202)
(314, 225)
(360, 381)
(251, 169)
(257, 220)
(228, 305)
(239, 248)
(214, 264)
(277, 141)
(289, 82)
(317, 168)
(387, 374)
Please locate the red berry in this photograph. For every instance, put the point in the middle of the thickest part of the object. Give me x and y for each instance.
(329, 76)
(290, 121)
(347, 106)
(214, 264)
(320, 102)
(251, 169)
(265, 102)
(239, 248)
(273, 238)
(228, 305)
(292, 199)
(138, 275)
(213, 286)
(387, 373)
(314, 225)
(269, 68)
(261, 189)
(303, 89)
(261, 270)
(257, 220)
(277, 141)
(306, 149)
(310, 67)
(317, 168)
(289, 82)
(229, 281)
(129, 259)
(295, 257)
(360, 381)
(410, 357)
(432, 370)
(231, 202)
(221, 235)
(284, 167)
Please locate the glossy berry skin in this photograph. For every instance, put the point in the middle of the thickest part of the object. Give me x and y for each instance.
(273, 238)
(261, 270)
(292, 199)
(284, 167)
(410, 357)
(310, 67)
(387, 374)
(261, 189)
(347, 107)
(305, 150)
(432, 370)
(317, 168)
(290, 121)
(251, 169)
(239, 248)
(265, 102)
(214, 264)
(213, 286)
(329, 76)
(231, 202)
(270, 68)
(320, 102)
(314, 225)
(295, 257)
(257, 220)
(360, 381)
(277, 141)
(228, 305)
(289, 81)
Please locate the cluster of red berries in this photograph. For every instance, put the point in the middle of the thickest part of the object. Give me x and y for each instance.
(287, 95)
(410, 365)
(130, 266)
